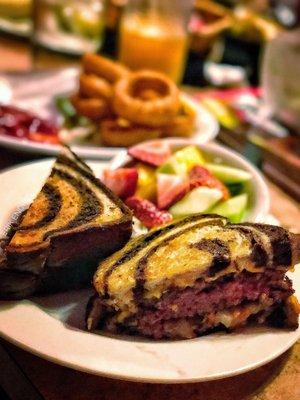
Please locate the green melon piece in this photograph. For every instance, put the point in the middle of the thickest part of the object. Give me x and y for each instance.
(199, 200)
(228, 174)
(233, 208)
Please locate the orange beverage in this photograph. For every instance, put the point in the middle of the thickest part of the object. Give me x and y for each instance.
(153, 41)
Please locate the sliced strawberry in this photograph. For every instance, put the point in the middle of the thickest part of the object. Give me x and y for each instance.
(154, 153)
(200, 176)
(43, 138)
(170, 189)
(122, 181)
(199, 172)
(147, 212)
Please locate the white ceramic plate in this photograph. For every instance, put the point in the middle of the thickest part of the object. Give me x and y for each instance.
(52, 326)
(36, 91)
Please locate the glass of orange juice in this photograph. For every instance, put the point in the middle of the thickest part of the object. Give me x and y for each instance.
(153, 35)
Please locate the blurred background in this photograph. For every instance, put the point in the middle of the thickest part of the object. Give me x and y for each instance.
(225, 31)
(240, 57)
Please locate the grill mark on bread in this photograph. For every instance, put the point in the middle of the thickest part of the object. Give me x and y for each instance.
(90, 204)
(68, 162)
(77, 160)
(54, 205)
(65, 162)
(138, 290)
(145, 239)
(259, 254)
(220, 251)
(127, 256)
(280, 243)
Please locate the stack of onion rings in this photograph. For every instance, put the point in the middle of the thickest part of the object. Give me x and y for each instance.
(96, 86)
(130, 107)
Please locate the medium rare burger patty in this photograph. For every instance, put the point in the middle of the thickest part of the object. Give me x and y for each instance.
(194, 303)
(160, 319)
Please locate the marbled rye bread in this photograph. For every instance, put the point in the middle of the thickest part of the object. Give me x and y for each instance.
(73, 222)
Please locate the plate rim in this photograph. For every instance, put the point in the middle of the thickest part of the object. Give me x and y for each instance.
(139, 379)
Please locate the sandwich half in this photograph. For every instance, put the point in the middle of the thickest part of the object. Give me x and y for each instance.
(73, 223)
(195, 276)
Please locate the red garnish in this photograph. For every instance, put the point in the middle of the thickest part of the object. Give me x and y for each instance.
(200, 176)
(170, 189)
(42, 138)
(147, 212)
(23, 124)
(122, 181)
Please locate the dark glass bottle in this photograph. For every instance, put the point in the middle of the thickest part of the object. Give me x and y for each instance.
(114, 10)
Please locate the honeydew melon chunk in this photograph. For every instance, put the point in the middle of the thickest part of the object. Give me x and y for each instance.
(233, 208)
(182, 161)
(228, 174)
(199, 200)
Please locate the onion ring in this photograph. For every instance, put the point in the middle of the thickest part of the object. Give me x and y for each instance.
(103, 67)
(93, 109)
(183, 124)
(128, 102)
(121, 133)
(149, 94)
(95, 87)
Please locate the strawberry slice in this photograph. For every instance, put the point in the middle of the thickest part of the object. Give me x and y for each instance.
(170, 189)
(122, 181)
(200, 176)
(147, 212)
(154, 153)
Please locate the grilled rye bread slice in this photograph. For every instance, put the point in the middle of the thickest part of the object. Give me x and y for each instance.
(194, 275)
(73, 222)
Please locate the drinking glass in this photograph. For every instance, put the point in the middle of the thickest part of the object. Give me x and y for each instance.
(69, 26)
(153, 35)
(281, 79)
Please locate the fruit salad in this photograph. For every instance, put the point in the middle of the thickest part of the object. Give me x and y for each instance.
(160, 185)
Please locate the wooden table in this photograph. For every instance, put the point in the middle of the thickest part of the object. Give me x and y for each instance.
(27, 377)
